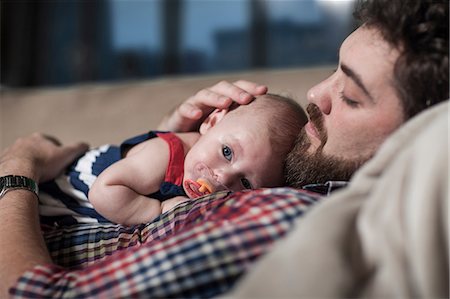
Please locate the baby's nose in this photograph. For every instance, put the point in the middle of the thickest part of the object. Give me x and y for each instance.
(228, 179)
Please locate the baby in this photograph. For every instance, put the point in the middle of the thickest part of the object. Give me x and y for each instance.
(243, 147)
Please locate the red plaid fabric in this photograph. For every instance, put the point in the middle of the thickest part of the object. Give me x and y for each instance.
(199, 249)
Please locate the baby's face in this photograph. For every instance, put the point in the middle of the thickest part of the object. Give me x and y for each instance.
(235, 154)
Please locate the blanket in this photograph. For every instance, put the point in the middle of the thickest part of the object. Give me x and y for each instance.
(197, 250)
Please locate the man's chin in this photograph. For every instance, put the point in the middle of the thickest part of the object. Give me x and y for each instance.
(304, 167)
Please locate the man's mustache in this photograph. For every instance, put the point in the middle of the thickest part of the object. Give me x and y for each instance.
(316, 118)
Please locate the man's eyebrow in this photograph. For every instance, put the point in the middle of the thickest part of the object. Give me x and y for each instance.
(357, 79)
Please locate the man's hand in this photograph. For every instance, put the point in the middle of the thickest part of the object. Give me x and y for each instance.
(189, 115)
(39, 157)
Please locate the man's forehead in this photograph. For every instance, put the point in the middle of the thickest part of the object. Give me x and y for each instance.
(367, 42)
(370, 58)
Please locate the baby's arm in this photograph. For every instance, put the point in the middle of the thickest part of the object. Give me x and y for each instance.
(169, 204)
(119, 191)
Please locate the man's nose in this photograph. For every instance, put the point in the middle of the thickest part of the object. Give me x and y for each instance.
(320, 95)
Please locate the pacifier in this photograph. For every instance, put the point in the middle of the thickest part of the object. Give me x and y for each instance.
(205, 187)
(198, 188)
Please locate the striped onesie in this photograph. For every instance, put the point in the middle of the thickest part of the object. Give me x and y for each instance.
(64, 201)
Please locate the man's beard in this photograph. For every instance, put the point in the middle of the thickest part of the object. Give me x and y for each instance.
(303, 168)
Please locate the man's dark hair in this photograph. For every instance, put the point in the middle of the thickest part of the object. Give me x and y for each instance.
(420, 30)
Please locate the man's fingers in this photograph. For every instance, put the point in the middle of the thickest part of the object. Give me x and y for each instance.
(52, 139)
(58, 158)
(189, 114)
(242, 92)
(73, 151)
(77, 149)
(251, 87)
(183, 119)
(189, 111)
(221, 96)
(208, 98)
(228, 90)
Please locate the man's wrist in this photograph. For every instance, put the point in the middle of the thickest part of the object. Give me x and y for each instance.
(18, 166)
(11, 183)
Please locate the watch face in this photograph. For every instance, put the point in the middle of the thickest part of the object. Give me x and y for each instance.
(2, 182)
(11, 182)
(2, 186)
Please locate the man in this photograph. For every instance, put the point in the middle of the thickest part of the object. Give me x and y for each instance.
(384, 76)
(391, 68)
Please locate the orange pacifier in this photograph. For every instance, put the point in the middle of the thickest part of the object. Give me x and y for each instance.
(198, 188)
(205, 187)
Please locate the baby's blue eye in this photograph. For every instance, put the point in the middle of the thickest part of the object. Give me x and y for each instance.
(227, 152)
(246, 184)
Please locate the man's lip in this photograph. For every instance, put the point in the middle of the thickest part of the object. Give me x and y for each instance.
(312, 130)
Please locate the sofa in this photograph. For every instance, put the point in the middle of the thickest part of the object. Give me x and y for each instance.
(111, 112)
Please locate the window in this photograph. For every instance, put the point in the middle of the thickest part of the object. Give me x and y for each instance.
(65, 42)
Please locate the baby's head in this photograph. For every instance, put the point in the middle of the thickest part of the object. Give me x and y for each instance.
(244, 147)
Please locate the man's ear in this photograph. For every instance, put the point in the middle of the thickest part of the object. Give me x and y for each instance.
(212, 119)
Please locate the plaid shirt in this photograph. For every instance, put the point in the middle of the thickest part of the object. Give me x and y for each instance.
(198, 249)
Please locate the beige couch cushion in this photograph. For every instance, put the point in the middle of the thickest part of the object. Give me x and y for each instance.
(109, 113)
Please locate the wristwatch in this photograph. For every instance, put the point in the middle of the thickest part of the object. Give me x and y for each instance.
(14, 182)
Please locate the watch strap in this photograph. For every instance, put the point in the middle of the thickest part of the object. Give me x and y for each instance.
(15, 182)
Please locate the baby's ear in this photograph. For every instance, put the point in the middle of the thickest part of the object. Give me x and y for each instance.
(212, 119)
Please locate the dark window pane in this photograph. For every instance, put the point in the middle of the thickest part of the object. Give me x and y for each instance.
(65, 42)
(213, 35)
